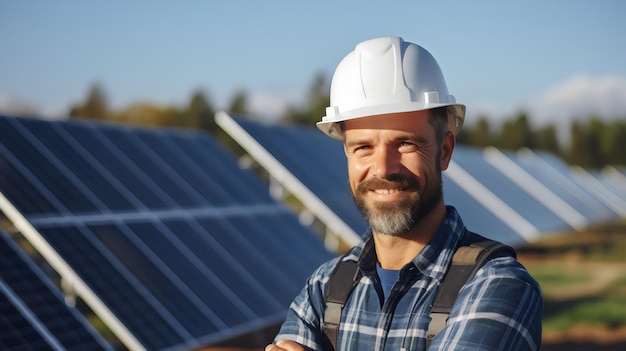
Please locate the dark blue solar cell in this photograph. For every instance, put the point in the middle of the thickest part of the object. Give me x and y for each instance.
(232, 269)
(22, 279)
(79, 163)
(177, 245)
(118, 289)
(476, 217)
(523, 203)
(562, 186)
(284, 227)
(152, 166)
(585, 193)
(194, 176)
(21, 144)
(314, 159)
(244, 187)
(609, 185)
(611, 193)
(150, 270)
(283, 251)
(17, 332)
(19, 191)
(117, 167)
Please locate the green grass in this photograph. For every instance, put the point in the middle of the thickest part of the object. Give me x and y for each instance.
(551, 277)
(606, 308)
(601, 313)
(567, 264)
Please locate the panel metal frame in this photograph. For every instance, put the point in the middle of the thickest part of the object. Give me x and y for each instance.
(69, 276)
(277, 171)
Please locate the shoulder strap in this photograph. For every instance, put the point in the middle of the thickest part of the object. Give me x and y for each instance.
(341, 282)
(471, 255)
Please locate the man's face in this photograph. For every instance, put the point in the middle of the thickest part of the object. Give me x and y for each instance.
(394, 169)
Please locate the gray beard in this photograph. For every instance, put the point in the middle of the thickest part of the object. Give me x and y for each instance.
(397, 218)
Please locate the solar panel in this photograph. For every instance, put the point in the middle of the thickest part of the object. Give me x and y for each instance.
(33, 314)
(614, 181)
(545, 167)
(613, 195)
(318, 164)
(535, 183)
(478, 217)
(161, 232)
(583, 189)
(309, 164)
(617, 177)
(518, 198)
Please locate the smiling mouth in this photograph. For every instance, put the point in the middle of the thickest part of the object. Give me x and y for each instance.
(387, 191)
(395, 184)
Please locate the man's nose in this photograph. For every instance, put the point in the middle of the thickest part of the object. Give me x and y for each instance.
(386, 162)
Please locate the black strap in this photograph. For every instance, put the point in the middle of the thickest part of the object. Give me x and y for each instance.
(471, 255)
(342, 281)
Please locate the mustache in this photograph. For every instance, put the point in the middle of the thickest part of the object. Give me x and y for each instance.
(393, 181)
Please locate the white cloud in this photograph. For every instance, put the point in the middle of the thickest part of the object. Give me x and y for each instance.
(270, 106)
(10, 105)
(581, 97)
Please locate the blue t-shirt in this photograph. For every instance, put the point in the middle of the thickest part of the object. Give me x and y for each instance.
(388, 277)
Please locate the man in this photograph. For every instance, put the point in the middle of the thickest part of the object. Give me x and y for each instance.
(390, 106)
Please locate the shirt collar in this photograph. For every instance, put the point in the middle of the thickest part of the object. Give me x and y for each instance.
(434, 257)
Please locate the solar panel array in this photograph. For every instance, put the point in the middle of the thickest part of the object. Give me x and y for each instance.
(160, 232)
(33, 314)
(509, 196)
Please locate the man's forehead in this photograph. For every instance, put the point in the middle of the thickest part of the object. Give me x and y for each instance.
(412, 122)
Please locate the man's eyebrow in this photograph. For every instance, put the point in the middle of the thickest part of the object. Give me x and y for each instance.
(412, 138)
(415, 138)
(355, 142)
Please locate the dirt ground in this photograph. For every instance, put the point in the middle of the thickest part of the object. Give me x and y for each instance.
(601, 275)
(583, 346)
(583, 338)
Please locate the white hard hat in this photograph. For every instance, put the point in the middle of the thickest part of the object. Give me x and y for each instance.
(387, 75)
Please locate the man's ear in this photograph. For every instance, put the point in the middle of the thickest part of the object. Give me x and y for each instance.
(447, 148)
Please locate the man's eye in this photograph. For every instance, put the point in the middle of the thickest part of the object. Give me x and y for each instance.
(407, 146)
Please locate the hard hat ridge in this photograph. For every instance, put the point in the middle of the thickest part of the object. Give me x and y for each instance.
(387, 75)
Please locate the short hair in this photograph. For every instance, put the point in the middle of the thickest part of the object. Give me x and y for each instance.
(438, 118)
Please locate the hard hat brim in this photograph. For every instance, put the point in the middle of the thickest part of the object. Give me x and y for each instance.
(456, 116)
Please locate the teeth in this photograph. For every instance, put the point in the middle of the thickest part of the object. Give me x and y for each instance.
(385, 191)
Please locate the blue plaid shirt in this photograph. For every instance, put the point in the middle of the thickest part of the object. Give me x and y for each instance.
(499, 309)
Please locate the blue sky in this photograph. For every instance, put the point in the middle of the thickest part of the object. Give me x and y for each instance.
(554, 59)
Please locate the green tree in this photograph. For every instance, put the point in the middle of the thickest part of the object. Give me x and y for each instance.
(615, 141)
(547, 139)
(594, 134)
(577, 150)
(585, 149)
(480, 134)
(94, 107)
(148, 115)
(462, 138)
(198, 114)
(239, 104)
(517, 133)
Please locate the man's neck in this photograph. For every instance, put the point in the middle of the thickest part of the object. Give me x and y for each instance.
(393, 252)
